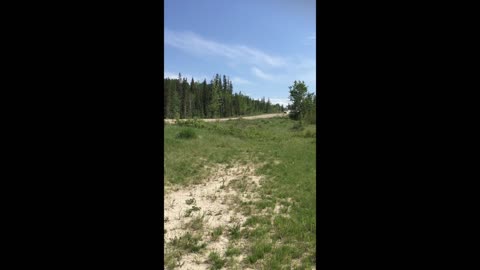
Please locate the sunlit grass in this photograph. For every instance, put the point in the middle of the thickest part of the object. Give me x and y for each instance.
(287, 152)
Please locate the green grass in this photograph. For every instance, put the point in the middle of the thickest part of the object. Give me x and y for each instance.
(195, 224)
(216, 261)
(216, 233)
(232, 251)
(234, 231)
(288, 152)
(187, 133)
(258, 251)
(189, 243)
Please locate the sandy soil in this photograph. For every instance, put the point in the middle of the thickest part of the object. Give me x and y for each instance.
(172, 121)
(215, 198)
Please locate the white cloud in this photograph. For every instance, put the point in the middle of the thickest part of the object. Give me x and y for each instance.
(170, 75)
(281, 70)
(261, 74)
(238, 80)
(199, 45)
(280, 101)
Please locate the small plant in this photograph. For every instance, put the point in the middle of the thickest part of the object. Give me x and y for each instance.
(258, 251)
(212, 197)
(196, 123)
(172, 259)
(195, 224)
(215, 234)
(215, 260)
(188, 242)
(234, 231)
(190, 201)
(310, 134)
(298, 126)
(223, 183)
(231, 251)
(189, 211)
(187, 133)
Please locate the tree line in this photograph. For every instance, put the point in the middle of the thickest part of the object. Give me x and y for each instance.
(210, 100)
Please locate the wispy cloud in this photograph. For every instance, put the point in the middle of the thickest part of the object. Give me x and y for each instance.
(280, 101)
(274, 69)
(199, 45)
(261, 74)
(238, 80)
(170, 75)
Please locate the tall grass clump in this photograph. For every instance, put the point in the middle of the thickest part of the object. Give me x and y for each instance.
(187, 133)
(310, 134)
(298, 126)
(196, 123)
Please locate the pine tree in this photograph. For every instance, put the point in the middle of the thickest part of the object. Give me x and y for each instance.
(205, 98)
(191, 93)
(166, 93)
(184, 98)
(214, 106)
(174, 100)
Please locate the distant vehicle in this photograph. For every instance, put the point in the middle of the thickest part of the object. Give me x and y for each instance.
(287, 112)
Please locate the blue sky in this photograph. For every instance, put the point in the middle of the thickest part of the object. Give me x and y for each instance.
(262, 45)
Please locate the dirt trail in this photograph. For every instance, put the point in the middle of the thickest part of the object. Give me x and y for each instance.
(172, 121)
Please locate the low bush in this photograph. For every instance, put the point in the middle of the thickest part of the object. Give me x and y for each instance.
(298, 126)
(187, 133)
(310, 134)
(196, 123)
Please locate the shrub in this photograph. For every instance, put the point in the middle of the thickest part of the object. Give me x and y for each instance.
(298, 126)
(310, 117)
(310, 134)
(196, 123)
(187, 133)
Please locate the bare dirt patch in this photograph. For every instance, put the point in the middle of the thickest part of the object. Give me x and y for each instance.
(209, 211)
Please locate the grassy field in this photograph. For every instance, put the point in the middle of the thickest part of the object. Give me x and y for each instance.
(276, 228)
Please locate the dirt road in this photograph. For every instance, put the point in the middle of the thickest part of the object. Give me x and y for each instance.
(172, 121)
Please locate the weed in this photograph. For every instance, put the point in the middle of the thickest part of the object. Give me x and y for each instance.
(298, 127)
(193, 209)
(187, 133)
(188, 242)
(215, 260)
(232, 251)
(215, 234)
(258, 251)
(310, 134)
(234, 231)
(172, 259)
(195, 224)
(190, 201)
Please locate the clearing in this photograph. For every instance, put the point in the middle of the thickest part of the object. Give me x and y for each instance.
(240, 195)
